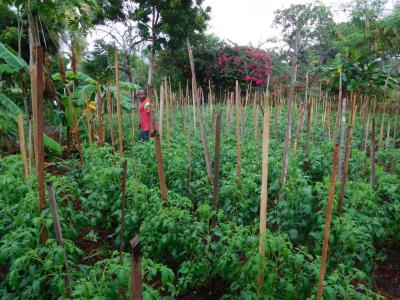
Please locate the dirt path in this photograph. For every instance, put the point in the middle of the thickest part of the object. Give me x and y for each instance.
(387, 276)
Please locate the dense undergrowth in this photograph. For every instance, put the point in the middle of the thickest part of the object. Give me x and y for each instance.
(181, 252)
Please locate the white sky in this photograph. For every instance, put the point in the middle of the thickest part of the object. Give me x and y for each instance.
(250, 21)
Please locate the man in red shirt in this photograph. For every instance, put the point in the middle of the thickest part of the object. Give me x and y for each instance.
(148, 124)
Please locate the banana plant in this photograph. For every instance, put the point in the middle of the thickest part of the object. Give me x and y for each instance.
(11, 64)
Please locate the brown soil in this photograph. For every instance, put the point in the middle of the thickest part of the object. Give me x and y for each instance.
(214, 292)
(94, 250)
(387, 276)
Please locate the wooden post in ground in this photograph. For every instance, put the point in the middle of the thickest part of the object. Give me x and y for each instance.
(110, 115)
(22, 147)
(189, 156)
(89, 126)
(123, 204)
(309, 114)
(197, 102)
(30, 148)
(160, 168)
(372, 154)
(238, 111)
(100, 115)
(161, 116)
(346, 159)
(328, 216)
(216, 166)
(133, 124)
(264, 185)
(387, 135)
(136, 269)
(119, 110)
(264, 196)
(380, 141)
(58, 233)
(37, 85)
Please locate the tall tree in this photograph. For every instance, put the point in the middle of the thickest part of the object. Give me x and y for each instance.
(166, 24)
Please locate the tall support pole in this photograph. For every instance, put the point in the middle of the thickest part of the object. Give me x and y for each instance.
(216, 165)
(160, 168)
(110, 114)
(372, 154)
(327, 223)
(123, 204)
(346, 159)
(37, 108)
(136, 269)
(119, 110)
(238, 112)
(22, 147)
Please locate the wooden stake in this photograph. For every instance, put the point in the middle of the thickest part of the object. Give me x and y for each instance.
(372, 154)
(380, 143)
(327, 223)
(119, 110)
(387, 135)
(123, 204)
(30, 146)
(136, 269)
(110, 115)
(309, 115)
(160, 168)
(216, 166)
(161, 109)
(264, 184)
(37, 109)
(58, 233)
(238, 106)
(22, 147)
(100, 115)
(89, 127)
(133, 124)
(189, 156)
(347, 159)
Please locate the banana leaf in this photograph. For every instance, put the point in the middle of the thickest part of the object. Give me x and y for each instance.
(72, 76)
(50, 144)
(10, 58)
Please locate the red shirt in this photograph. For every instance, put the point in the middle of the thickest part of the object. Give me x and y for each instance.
(145, 108)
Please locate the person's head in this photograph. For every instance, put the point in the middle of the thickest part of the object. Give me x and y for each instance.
(142, 94)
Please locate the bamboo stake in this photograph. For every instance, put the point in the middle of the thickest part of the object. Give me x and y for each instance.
(216, 166)
(87, 110)
(264, 193)
(58, 233)
(119, 110)
(110, 116)
(37, 109)
(123, 204)
(22, 145)
(160, 168)
(133, 125)
(161, 109)
(309, 120)
(381, 132)
(256, 122)
(387, 135)
(167, 116)
(347, 159)
(189, 156)
(327, 223)
(136, 269)
(264, 184)
(238, 105)
(372, 154)
(100, 115)
(30, 146)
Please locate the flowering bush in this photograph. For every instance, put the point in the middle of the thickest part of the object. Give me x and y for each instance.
(246, 64)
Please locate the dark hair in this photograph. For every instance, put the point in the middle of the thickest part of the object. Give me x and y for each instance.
(142, 90)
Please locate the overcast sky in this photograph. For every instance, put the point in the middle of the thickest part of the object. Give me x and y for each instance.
(250, 21)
